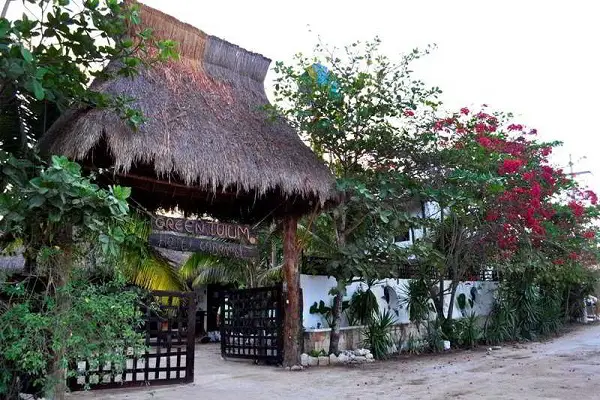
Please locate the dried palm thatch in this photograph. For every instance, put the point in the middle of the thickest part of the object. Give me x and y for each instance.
(206, 125)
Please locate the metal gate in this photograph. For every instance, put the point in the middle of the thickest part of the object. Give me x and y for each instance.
(252, 324)
(169, 358)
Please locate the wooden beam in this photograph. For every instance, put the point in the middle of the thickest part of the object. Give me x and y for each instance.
(291, 294)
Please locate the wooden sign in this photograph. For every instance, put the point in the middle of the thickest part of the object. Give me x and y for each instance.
(192, 244)
(198, 227)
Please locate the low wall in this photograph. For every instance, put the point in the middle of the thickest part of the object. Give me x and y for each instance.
(316, 288)
(352, 338)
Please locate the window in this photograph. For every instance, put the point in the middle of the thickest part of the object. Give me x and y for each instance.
(404, 237)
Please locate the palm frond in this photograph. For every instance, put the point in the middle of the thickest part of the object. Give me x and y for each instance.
(219, 273)
(142, 264)
(196, 262)
(271, 275)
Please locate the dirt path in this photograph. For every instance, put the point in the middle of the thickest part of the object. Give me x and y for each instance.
(564, 368)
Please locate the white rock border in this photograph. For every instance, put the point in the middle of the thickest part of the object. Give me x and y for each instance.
(358, 356)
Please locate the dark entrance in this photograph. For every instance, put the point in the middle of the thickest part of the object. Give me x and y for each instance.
(252, 324)
(214, 294)
(169, 329)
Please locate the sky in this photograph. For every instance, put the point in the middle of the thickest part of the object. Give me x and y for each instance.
(537, 59)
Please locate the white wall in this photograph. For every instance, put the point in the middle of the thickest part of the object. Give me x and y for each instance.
(201, 300)
(432, 210)
(316, 288)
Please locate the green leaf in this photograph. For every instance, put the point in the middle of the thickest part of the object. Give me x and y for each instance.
(38, 90)
(4, 27)
(40, 73)
(27, 56)
(36, 201)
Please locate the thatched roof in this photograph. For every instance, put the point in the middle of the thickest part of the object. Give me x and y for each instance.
(206, 128)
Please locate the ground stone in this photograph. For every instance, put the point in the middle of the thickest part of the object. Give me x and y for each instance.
(323, 360)
(313, 361)
(304, 359)
(296, 368)
(343, 358)
(360, 359)
(369, 356)
(333, 359)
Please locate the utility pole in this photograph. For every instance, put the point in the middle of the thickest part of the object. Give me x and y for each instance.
(571, 173)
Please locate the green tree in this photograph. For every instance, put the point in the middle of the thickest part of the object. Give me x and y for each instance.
(351, 109)
(56, 213)
(49, 58)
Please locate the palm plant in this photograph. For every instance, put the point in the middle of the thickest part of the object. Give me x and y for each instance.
(201, 268)
(142, 264)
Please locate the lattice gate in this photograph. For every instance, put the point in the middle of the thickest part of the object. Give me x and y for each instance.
(252, 324)
(169, 336)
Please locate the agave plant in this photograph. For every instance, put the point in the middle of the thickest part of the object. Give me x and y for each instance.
(378, 336)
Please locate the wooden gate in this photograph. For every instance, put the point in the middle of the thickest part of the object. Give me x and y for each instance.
(252, 324)
(169, 357)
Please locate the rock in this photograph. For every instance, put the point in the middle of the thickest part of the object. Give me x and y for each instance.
(361, 352)
(323, 360)
(360, 359)
(313, 361)
(370, 360)
(304, 359)
(369, 356)
(333, 359)
(343, 358)
(296, 368)
(496, 347)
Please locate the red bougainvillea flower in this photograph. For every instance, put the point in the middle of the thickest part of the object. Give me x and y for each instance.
(573, 256)
(577, 209)
(536, 190)
(559, 261)
(510, 166)
(481, 128)
(464, 111)
(409, 113)
(515, 127)
(589, 235)
(484, 141)
(533, 132)
(528, 176)
(591, 196)
(491, 216)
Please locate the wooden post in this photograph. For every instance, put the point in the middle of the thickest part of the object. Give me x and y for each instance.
(291, 294)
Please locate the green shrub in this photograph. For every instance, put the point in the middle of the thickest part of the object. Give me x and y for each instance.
(416, 300)
(363, 307)
(467, 331)
(378, 337)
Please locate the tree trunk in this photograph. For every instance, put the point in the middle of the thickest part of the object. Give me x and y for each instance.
(336, 317)
(58, 372)
(291, 285)
(451, 304)
(61, 276)
(336, 312)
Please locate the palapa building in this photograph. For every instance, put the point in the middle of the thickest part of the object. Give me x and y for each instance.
(208, 145)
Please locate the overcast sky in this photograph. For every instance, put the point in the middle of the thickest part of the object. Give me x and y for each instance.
(538, 59)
